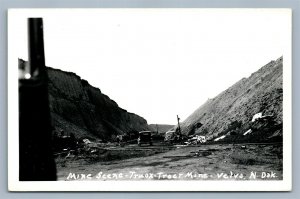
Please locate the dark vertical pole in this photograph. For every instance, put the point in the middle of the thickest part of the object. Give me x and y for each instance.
(157, 129)
(35, 154)
(36, 45)
(180, 136)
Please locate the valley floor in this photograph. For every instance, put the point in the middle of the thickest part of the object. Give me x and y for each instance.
(161, 162)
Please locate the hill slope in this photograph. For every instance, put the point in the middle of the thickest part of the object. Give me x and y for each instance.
(79, 108)
(261, 92)
(162, 128)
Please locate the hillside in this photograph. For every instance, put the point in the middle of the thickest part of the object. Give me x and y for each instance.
(234, 108)
(79, 108)
(162, 128)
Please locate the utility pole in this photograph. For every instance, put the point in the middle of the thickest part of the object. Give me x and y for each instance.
(180, 136)
(36, 161)
(157, 129)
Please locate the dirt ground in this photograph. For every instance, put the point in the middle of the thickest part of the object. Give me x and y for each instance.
(161, 162)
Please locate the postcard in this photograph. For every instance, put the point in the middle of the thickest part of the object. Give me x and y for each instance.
(147, 99)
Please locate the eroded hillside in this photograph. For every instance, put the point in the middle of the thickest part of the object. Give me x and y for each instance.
(234, 108)
(83, 110)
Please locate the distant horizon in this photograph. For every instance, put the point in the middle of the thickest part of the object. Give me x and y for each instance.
(158, 63)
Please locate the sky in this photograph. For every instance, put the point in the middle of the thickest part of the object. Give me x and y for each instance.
(157, 63)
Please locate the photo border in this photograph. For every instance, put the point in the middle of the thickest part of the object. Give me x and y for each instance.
(294, 4)
(170, 185)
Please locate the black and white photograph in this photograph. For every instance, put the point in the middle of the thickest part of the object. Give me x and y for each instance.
(149, 99)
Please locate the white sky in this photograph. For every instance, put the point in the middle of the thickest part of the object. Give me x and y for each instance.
(158, 63)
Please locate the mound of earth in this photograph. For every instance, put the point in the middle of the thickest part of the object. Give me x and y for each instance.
(231, 112)
(81, 109)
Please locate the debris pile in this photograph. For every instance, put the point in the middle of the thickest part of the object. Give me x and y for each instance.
(260, 128)
(195, 140)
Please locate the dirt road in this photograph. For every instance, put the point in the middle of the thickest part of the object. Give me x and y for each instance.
(205, 162)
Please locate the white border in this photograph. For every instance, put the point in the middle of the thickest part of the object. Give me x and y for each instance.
(202, 185)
